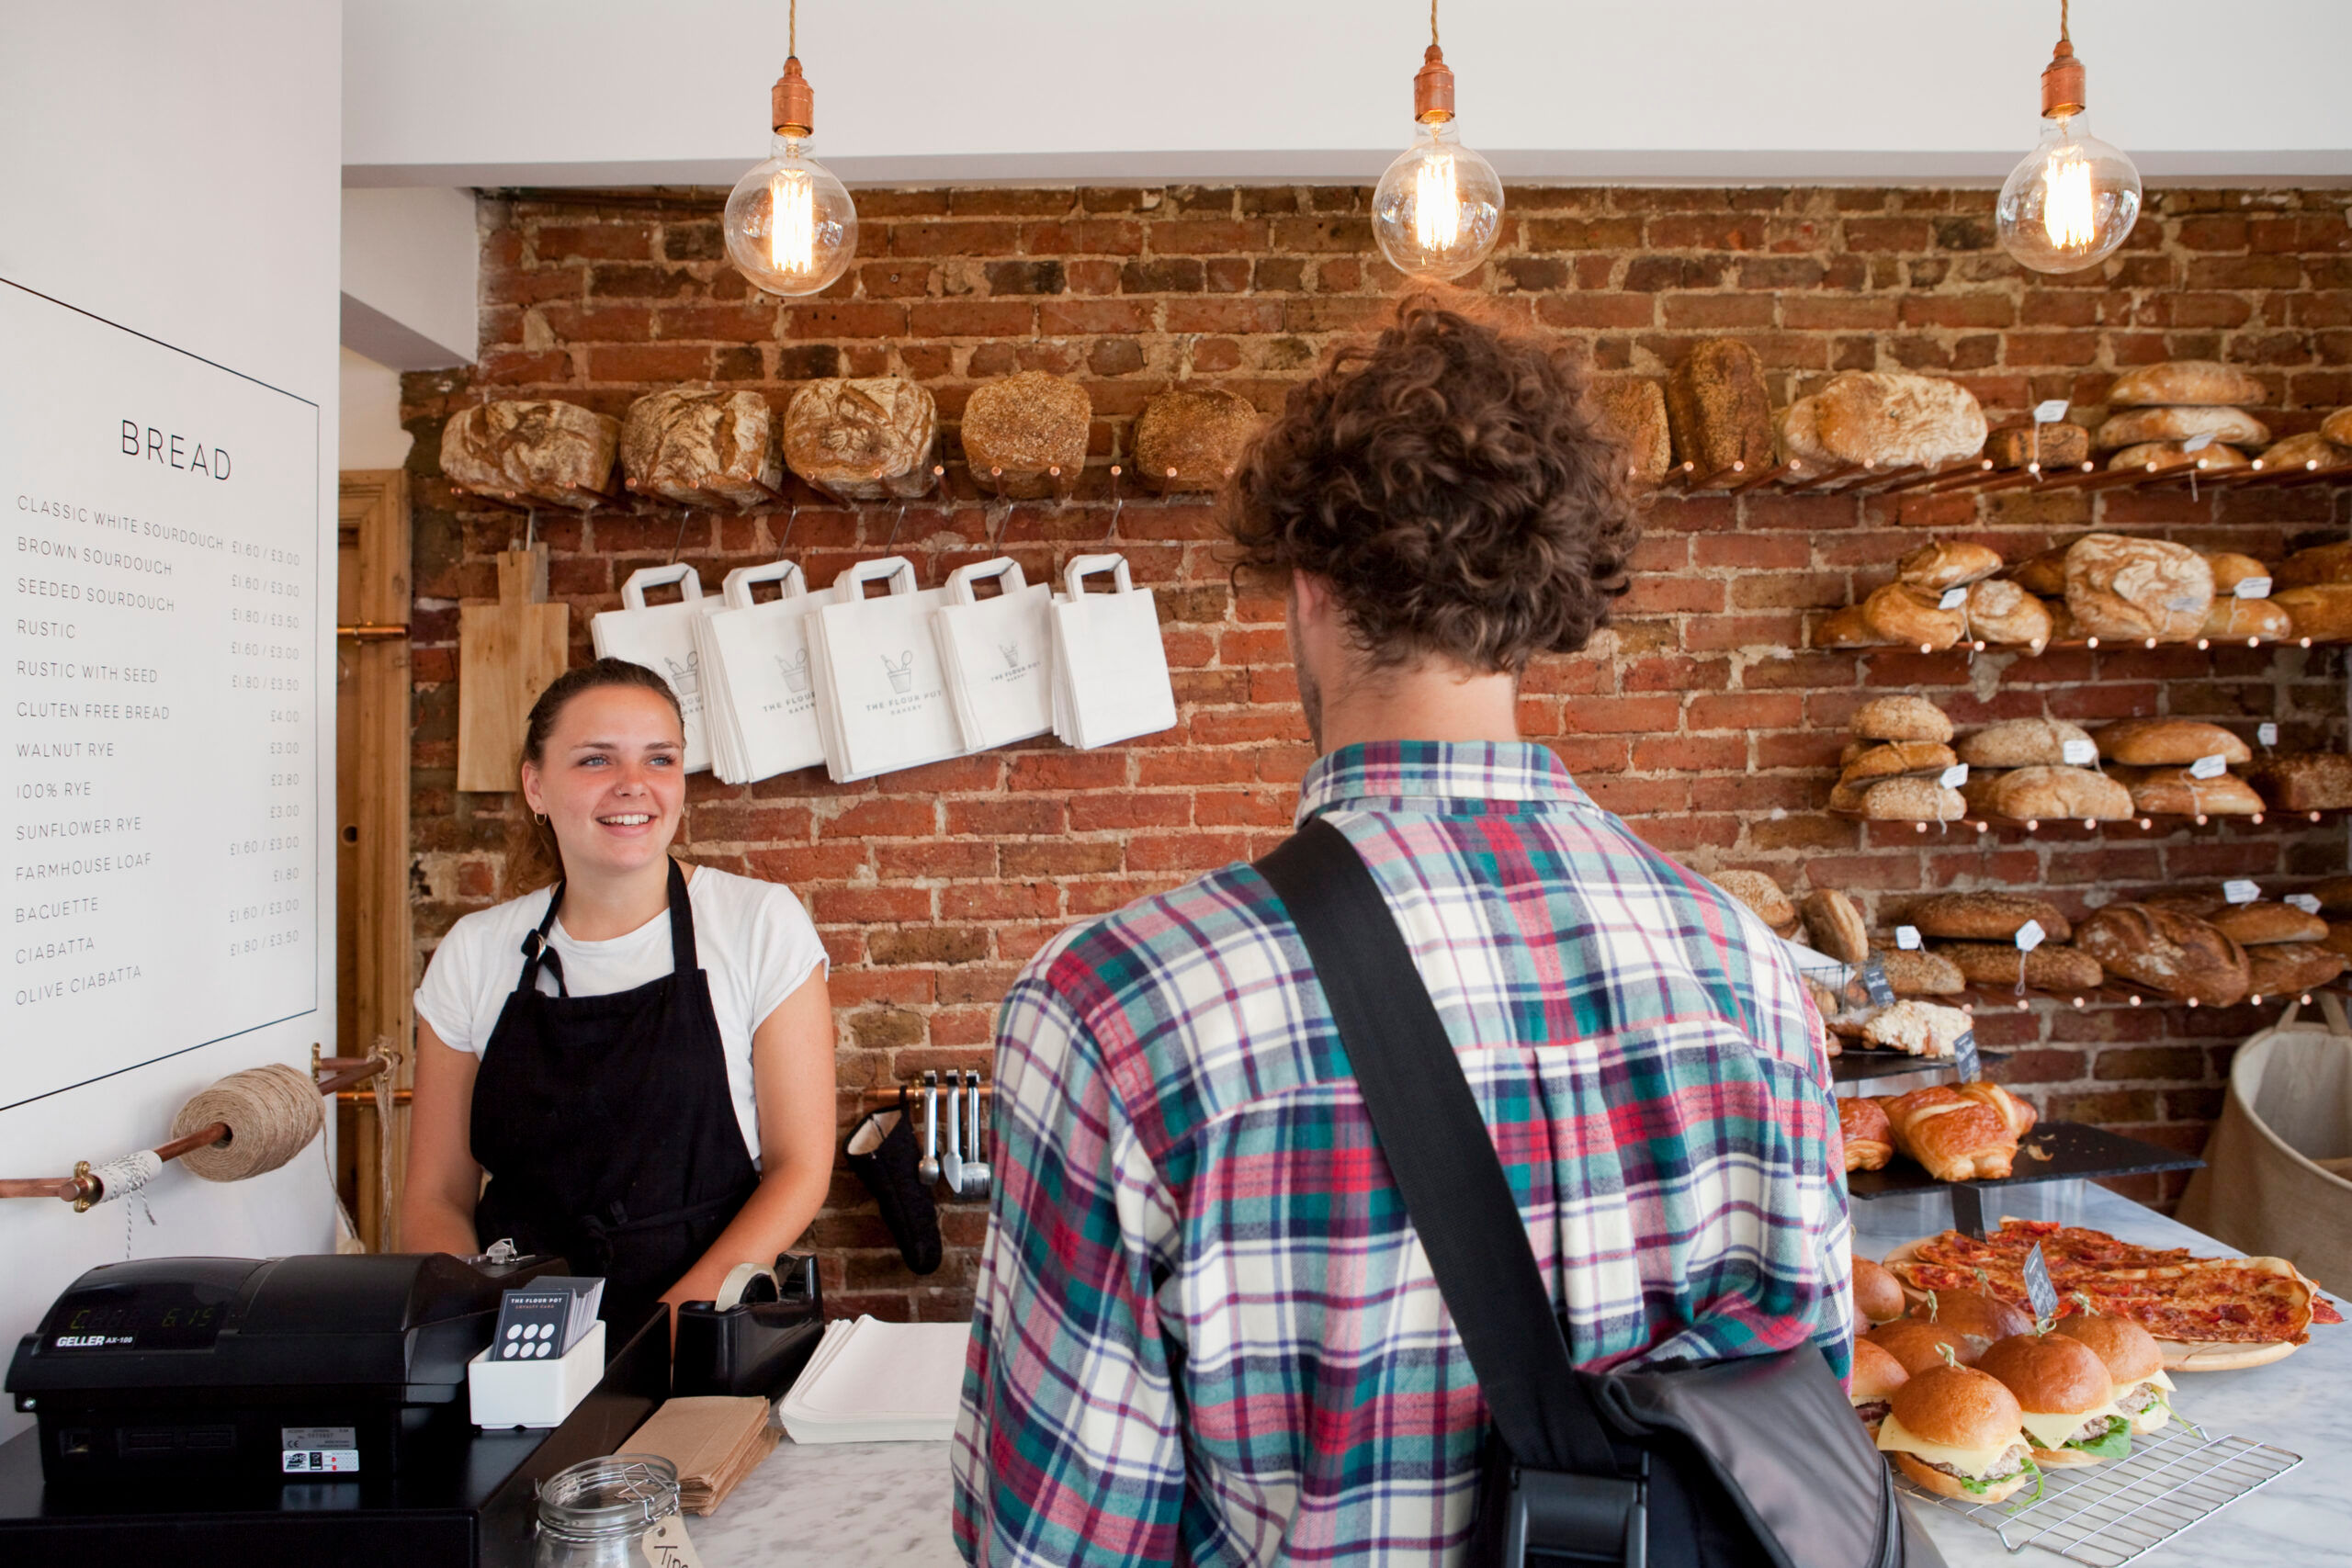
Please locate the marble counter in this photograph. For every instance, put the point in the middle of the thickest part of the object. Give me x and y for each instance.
(885, 1505)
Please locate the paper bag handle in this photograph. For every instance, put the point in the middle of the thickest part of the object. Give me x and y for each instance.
(680, 572)
(737, 589)
(850, 586)
(960, 581)
(1082, 567)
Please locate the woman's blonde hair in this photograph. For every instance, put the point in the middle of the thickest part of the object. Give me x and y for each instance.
(533, 859)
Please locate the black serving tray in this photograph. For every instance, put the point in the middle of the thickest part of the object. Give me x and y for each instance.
(1853, 1066)
(2078, 1152)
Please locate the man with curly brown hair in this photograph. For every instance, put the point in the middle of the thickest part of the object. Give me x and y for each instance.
(1206, 1332)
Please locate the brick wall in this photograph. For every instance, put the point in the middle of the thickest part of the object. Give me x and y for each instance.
(1700, 717)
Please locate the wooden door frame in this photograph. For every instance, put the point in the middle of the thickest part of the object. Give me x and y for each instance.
(375, 503)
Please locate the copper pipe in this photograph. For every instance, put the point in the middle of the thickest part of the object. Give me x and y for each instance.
(367, 1098)
(374, 633)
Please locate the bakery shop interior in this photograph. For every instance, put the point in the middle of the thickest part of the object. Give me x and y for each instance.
(782, 776)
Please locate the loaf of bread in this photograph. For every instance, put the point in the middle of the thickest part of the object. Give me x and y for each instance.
(555, 453)
(1847, 797)
(1956, 1136)
(2001, 613)
(1718, 409)
(1760, 893)
(2233, 617)
(1848, 628)
(2058, 446)
(2165, 950)
(2044, 795)
(2337, 427)
(2339, 937)
(2047, 968)
(1191, 439)
(2162, 742)
(1988, 917)
(1900, 613)
(700, 446)
(2230, 568)
(2022, 743)
(2303, 781)
(2204, 903)
(2137, 588)
(2321, 612)
(1944, 563)
(1916, 1028)
(1018, 430)
(1900, 718)
(2262, 922)
(1977, 790)
(2320, 564)
(2288, 968)
(1835, 925)
(1862, 1126)
(2161, 454)
(865, 438)
(2175, 792)
(2198, 381)
(2334, 893)
(2133, 426)
(1800, 435)
(1891, 419)
(2308, 450)
(1897, 757)
(2045, 574)
(1634, 407)
(1911, 973)
(1912, 800)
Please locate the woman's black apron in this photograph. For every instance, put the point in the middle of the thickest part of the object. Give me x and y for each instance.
(606, 1123)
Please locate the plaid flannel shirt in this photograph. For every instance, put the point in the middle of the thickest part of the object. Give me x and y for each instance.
(1206, 1332)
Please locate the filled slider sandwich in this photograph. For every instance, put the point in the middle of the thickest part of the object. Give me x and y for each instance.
(1876, 1377)
(1954, 1431)
(1878, 1297)
(2134, 1364)
(2066, 1398)
(1979, 1320)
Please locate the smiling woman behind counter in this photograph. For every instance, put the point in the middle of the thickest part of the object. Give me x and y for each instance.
(640, 1058)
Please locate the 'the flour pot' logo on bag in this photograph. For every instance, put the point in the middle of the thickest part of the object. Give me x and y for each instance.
(1017, 665)
(686, 679)
(794, 672)
(903, 671)
(1011, 651)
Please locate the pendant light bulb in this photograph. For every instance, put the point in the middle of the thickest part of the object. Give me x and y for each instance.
(791, 227)
(2072, 202)
(1438, 210)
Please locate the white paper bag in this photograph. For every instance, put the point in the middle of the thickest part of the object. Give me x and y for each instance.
(881, 694)
(1110, 668)
(662, 638)
(759, 690)
(998, 654)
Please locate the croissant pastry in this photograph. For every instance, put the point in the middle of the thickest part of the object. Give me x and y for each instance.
(2018, 1115)
(1957, 1135)
(1862, 1121)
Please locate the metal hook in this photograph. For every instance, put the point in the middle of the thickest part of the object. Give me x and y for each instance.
(1118, 503)
(678, 543)
(895, 523)
(530, 527)
(790, 517)
(951, 1164)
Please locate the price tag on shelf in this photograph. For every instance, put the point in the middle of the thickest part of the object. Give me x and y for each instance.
(2238, 890)
(2078, 753)
(1874, 981)
(2031, 936)
(2253, 588)
(2307, 902)
(1953, 776)
(2049, 412)
(2198, 442)
(1963, 1052)
(2039, 1291)
(2211, 767)
(2266, 733)
(1953, 599)
(1908, 938)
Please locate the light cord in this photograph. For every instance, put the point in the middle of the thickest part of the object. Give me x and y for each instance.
(792, 29)
(2063, 36)
(1432, 20)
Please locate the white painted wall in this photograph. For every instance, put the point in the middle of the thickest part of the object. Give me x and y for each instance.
(173, 167)
(371, 434)
(590, 92)
(412, 267)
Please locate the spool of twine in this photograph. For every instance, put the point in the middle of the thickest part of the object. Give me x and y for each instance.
(272, 1112)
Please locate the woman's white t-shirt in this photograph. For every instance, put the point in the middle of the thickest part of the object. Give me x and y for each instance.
(754, 940)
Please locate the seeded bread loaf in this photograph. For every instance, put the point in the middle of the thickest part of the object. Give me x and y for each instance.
(1189, 439)
(1986, 916)
(1915, 974)
(1900, 718)
(2047, 968)
(2287, 968)
(2262, 922)
(1634, 409)
(1891, 419)
(2001, 613)
(2134, 426)
(1912, 800)
(2167, 742)
(1019, 429)
(2022, 743)
(2042, 793)
(2197, 381)
(1718, 410)
(2165, 950)
(2137, 588)
(1897, 757)
(2058, 446)
(1946, 563)
(2303, 781)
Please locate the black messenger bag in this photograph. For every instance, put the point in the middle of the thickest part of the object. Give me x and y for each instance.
(1753, 1460)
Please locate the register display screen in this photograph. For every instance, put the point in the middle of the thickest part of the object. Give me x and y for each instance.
(154, 1317)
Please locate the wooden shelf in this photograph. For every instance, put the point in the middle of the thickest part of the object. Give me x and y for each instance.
(2075, 1151)
(1976, 476)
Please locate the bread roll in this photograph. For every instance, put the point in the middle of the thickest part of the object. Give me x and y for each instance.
(1191, 439)
(554, 452)
(2161, 454)
(2199, 381)
(1945, 563)
(2167, 742)
(2303, 781)
(2059, 445)
(1019, 429)
(1800, 436)
(1988, 917)
(1912, 800)
(700, 446)
(2175, 791)
(2284, 969)
(1900, 718)
(1835, 925)
(2042, 793)
(2321, 612)
(1760, 893)
(2134, 426)
(2320, 564)
(2002, 614)
(1904, 615)
(2233, 617)
(1862, 1126)
(1848, 628)
(1891, 419)
(2263, 922)
(2047, 968)
(1718, 410)
(2043, 575)
(2337, 427)
(2137, 588)
(2022, 743)
(2166, 951)
(1896, 758)
(2299, 451)
(1634, 408)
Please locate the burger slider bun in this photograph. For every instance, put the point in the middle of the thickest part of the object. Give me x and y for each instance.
(1981, 1320)
(1876, 1374)
(1920, 1346)
(2057, 1378)
(1878, 1295)
(1956, 1408)
(2132, 1357)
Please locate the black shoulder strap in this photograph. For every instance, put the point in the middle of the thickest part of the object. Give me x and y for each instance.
(1439, 1150)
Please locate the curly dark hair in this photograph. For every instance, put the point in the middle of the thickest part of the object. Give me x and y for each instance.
(1452, 483)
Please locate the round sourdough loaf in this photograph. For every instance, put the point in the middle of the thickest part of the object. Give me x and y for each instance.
(1900, 718)
(2137, 588)
(1848, 628)
(1900, 613)
(2166, 951)
(1893, 419)
(2021, 743)
(2204, 381)
(2309, 450)
(1912, 800)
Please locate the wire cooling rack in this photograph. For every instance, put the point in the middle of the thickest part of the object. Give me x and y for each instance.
(2108, 1515)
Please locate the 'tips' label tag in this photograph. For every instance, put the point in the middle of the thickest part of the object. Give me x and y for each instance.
(2079, 753)
(2039, 1291)
(2238, 890)
(1953, 776)
(1874, 981)
(2211, 767)
(2307, 903)
(1908, 938)
(2029, 936)
(2049, 412)
(666, 1545)
(1953, 599)
(2253, 588)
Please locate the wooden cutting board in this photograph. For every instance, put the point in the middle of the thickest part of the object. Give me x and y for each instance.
(508, 650)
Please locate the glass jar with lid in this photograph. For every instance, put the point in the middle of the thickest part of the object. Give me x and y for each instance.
(593, 1514)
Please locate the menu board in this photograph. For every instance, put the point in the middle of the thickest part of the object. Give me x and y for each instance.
(159, 739)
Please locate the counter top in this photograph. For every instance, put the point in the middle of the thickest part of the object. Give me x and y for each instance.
(886, 1505)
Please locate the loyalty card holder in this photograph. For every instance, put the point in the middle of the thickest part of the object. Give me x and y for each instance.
(756, 1335)
(547, 1355)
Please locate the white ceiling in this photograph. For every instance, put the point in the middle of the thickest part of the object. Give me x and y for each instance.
(598, 92)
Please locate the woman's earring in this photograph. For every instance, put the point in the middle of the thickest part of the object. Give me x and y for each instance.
(541, 817)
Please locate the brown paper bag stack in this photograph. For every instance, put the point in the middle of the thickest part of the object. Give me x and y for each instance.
(714, 1440)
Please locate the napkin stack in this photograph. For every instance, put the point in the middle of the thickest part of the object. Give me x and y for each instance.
(872, 1381)
(714, 1440)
